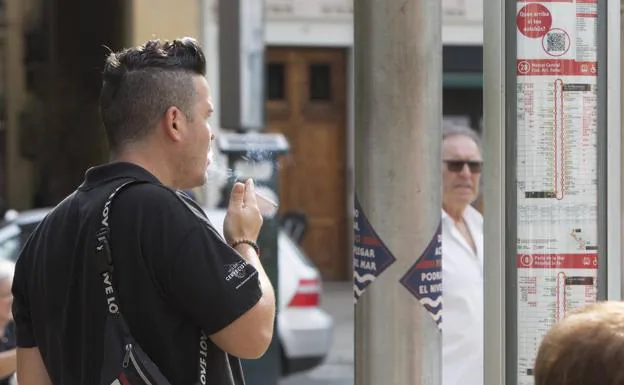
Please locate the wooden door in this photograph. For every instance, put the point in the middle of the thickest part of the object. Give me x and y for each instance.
(306, 101)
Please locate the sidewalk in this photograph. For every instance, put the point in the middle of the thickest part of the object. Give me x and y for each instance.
(337, 369)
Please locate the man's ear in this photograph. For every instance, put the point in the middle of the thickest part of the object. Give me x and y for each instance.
(174, 121)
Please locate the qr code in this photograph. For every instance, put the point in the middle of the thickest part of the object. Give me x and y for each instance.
(556, 42)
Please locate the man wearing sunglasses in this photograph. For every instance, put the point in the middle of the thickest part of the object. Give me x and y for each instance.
(462, 258)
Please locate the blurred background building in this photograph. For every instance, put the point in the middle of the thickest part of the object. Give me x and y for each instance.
(51, 55)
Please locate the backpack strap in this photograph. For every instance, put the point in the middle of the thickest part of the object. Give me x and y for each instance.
(103, 252)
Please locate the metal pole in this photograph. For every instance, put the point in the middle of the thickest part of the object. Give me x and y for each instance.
(495, 190)
(398, 114)
(211, 192)
(609, 50)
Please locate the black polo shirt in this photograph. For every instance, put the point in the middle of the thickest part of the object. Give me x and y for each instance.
(171, 272)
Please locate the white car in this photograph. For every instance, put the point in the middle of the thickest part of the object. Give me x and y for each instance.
(304, 330)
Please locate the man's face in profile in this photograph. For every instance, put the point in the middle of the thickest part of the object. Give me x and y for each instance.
(198, 143)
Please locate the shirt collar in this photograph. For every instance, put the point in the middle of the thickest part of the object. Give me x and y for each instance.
(101, 174)
(470, 214)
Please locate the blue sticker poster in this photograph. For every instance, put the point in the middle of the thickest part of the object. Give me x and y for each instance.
(370, 256)
(424, 278)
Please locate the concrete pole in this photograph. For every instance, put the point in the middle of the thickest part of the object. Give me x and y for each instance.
(398, 114)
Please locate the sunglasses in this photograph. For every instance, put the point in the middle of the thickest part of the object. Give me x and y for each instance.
(475, 166)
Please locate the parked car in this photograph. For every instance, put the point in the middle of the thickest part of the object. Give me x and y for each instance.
(304, 330)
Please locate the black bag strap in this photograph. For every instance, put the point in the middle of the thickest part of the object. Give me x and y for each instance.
(102, 248)
(105, 267)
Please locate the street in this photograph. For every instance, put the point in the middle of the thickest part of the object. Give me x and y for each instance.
(337, 300)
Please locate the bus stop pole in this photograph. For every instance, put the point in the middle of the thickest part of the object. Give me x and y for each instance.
(397, 205)
(610, 51)
(494, 192)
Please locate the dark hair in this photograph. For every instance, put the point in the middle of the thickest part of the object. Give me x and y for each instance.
(139, 84)
(586, 347)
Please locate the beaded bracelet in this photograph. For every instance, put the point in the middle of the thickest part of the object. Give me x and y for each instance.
(250, 243)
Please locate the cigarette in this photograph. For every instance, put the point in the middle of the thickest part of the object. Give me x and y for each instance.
(266, 199)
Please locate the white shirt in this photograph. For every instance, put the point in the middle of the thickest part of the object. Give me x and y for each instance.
(462, 314)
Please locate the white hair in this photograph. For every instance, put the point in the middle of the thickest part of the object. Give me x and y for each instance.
(453, 129)
(7, 269)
